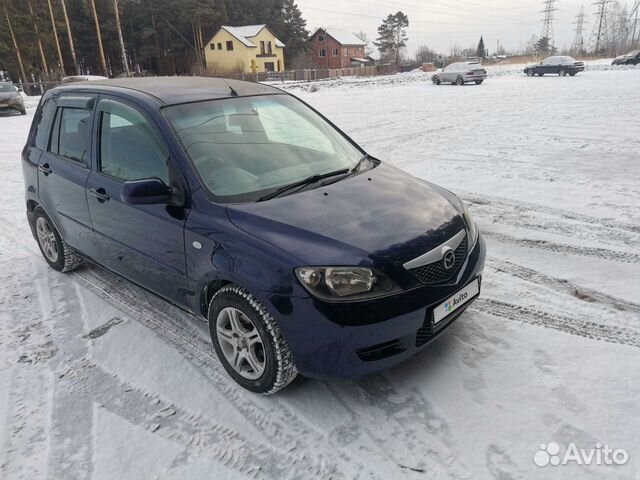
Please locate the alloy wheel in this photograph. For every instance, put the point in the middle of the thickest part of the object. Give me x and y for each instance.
(47, 239)
(241, 343)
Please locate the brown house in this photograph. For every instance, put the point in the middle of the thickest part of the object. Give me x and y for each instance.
(335, 48)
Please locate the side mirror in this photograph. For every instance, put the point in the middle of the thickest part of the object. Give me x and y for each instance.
(148, 191)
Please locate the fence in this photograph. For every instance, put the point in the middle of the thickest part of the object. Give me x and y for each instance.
(311, 75)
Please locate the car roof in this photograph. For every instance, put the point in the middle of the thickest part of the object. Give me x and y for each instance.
(174, 90)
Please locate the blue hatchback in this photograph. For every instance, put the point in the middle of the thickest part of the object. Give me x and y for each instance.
(247, 207)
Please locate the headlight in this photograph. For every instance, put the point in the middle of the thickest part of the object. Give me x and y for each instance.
(472, 228)
(344, 283)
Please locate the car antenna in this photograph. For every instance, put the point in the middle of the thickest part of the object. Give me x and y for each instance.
(233, 92)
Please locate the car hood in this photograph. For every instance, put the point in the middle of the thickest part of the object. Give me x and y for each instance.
(5, 96)
(380, 216)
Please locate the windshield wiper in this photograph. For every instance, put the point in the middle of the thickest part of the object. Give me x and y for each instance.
(302, 183)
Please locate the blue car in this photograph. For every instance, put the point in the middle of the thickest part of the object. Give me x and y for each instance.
(245, 206)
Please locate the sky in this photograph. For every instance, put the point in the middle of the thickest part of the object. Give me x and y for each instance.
(440, 24)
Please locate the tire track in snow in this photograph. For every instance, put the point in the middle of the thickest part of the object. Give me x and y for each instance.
(581, 328)
(560, 285)
(279, 423)
(593, 252)
(522, 206)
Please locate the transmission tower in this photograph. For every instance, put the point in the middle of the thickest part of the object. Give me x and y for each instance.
(600, 35)
(547, 24)
(578, 41)
(634, 25)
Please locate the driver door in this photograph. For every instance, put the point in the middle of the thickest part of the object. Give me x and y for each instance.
(144, 243)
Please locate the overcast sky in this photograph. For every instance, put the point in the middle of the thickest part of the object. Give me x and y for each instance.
(443, 23)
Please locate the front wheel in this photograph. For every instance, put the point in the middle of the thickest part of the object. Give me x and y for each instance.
(530, 73)
(54, 249)
(573, 74)
(248, 342)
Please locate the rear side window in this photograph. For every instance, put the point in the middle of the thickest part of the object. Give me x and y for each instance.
(130, 149)
(71, 134)
(43, 127)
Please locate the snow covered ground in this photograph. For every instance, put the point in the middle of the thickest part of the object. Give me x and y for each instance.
(101, 380)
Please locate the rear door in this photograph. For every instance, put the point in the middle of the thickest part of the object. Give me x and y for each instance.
(64, 167)
(144, 243)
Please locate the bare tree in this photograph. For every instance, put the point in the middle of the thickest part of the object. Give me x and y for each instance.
(45, 67)
(103, 62)
(70, 37)
(55, 37)
(15, 43)
(123, 52)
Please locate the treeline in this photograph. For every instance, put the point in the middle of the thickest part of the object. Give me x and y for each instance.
(160, 37)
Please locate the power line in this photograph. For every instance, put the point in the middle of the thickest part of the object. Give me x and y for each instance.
(578, 41)
(547, 24)
(600, 34)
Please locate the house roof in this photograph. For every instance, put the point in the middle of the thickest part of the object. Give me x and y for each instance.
(245, 32)
(343, 37)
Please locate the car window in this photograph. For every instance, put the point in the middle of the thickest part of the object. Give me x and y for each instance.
(245, 147)
(43, 127)
(130, 149)
(7, 87)
(452, 68)
(70, 136)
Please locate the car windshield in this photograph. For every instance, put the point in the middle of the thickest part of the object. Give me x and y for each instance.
(633, 54)
(244, 148)
(6, 87)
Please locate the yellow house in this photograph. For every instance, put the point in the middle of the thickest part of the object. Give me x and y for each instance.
(249, 49)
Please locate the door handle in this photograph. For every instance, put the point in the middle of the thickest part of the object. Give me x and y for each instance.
(45, 169)
(100, 194)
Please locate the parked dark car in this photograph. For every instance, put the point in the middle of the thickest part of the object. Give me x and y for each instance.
(10, 99)
(556, 65)
(245, 206)
(631, 58)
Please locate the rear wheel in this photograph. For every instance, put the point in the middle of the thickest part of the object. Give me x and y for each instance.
(562, 73)
(573, 74)
(248, 342)
(541, 74)
(436, 80)
(479, 82)
(460, 81)
(55, 250)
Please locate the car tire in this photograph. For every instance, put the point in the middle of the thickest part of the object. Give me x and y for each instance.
(23, 113)
(573, 74)
(479, 82)
(460, 81)
(253, 341)
(541, 74)
(562, 73)
(56, 252)
(436, 80)
(530, 73)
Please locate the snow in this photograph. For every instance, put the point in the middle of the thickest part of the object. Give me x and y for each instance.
(99, 379)
(248, 31)
(344, 37)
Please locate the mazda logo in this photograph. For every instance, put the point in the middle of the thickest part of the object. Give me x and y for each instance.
(448, 259)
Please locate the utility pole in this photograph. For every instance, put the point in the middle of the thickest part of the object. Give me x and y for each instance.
(55, 37)
(37, 32)
(547, 24)
(15, 43)
(103, 62)
(125, 64)
(600, 30)
(70, 37)
(578, 41)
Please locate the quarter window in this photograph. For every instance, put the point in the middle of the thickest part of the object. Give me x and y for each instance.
(129, 147)
(43, 127)
(70, 137)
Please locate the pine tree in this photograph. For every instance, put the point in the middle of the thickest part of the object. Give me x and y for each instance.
(481, 52)
(294, 31)
(392, 35)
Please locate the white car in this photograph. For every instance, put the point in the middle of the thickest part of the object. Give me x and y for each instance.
(461, 73)
(82, 78)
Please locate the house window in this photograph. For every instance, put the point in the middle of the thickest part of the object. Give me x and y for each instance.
(323, 53)
(219, 46)
(262, 51)
(229, 45)
(345, 52)
(334, 52)
(269, 51)
(212, 46)
(321, 38)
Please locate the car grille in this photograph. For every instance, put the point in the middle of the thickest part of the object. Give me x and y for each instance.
(435, 273)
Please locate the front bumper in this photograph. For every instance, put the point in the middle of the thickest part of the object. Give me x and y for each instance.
(396, 327)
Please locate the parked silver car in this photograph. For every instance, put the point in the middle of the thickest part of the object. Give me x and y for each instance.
(461, 73)
(10, 98)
